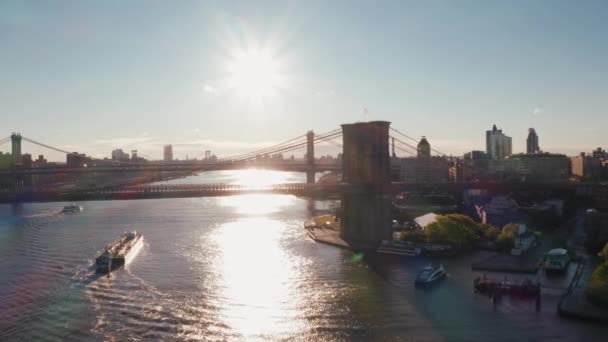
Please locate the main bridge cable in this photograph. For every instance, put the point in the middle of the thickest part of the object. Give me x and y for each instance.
(45, 145)
(417, 141)
(262, 151)
(5, 140)
(283, 149)
(397, 140)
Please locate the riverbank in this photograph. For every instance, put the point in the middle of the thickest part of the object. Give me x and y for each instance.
(325, 229)
(576, 304)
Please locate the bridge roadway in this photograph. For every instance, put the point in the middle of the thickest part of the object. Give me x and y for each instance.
(298, 189)
(173, 167)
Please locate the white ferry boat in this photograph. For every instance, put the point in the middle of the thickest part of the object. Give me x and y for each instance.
(430, 275)
(71, 208)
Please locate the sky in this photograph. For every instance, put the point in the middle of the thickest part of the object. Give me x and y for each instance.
(232, 76)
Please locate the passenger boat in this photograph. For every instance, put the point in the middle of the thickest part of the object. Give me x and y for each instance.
(493, 287)
(430, 275)
(399, 248)
(119, 252)
(71, 208)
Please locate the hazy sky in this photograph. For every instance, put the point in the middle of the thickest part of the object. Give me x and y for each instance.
(93, 76)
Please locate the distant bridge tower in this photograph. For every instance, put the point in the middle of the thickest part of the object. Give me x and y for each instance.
(310, 157)
(16, 148)
(366, 209)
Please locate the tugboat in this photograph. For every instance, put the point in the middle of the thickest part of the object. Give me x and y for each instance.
(430, 275)
(119, 252)
(71, 209)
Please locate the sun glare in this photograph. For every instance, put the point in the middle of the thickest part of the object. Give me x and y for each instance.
(255, 73)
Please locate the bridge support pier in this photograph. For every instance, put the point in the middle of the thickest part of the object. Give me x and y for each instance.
(310, 157)
(366, 209)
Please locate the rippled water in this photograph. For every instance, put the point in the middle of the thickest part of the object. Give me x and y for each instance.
(235, 268)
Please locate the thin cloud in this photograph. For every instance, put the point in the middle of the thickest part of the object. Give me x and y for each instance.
(123, 141)
(210, 89)
(537, 111)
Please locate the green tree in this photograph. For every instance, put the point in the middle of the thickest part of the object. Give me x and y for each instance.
(506, 238)
(604, 252)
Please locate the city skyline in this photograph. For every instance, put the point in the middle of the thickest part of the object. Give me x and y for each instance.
(234, 77)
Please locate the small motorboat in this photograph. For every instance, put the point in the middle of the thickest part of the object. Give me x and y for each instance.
(71, 208)
(430, 275)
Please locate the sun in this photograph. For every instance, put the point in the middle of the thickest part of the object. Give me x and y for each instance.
(255, 73)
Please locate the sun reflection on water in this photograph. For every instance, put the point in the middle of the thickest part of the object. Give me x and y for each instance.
(257, 278)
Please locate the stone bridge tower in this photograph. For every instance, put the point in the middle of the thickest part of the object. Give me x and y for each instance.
(366, 206)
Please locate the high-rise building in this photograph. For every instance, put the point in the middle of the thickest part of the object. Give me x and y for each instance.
(498, 145)
(168, 153)
(532, 142)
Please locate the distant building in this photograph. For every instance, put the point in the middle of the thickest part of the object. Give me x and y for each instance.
(600, 153)
(40, 162)
(424, 148)
(520, 167)
(476, 155)
(120, 155)
(424, 167)
(26, 161)
(586, 166)
(75, 160)
(498, 145)
(537, 167)
(532, 142)
(168, 153)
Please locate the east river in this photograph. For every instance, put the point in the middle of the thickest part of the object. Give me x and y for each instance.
(237, 268)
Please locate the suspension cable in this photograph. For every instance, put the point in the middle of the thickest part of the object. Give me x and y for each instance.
(44, 145)
(417, 141)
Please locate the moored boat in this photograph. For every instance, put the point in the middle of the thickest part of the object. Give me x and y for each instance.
(493, 287)
(430, 275)
(399, 248)
(119, 252)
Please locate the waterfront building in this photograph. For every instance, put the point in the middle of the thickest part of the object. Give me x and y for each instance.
(532, 142)
(524, 239)
(498, 145)
(596, 229)
(423, 221)
(168, 153)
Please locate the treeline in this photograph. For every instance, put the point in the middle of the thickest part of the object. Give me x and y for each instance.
(462, 232)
